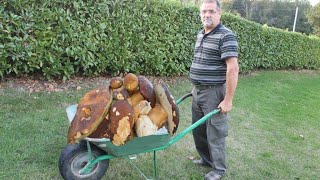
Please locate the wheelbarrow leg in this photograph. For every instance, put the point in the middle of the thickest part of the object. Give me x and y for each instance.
(155, 165)
(141, 173)
(90, 158)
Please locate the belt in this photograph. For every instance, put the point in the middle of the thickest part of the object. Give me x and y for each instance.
(203, 87)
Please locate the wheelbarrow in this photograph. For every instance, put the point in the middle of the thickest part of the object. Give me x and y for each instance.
(89, 159)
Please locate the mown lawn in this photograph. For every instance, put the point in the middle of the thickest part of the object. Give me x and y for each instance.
(274, 132)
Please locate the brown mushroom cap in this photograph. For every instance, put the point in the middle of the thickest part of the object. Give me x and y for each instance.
(146, 89)
(120, 93)
(131, 82)
(158, 116)
(121, 122)
(167, 102)
(116, 82)
(91, 110)
(102, 130)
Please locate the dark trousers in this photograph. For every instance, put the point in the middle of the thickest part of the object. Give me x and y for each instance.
(210, 137)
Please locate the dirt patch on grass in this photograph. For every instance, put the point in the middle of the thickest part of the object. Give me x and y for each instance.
(35, 85)
(32, 84)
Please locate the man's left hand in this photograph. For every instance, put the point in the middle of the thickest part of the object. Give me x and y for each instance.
(225, 106)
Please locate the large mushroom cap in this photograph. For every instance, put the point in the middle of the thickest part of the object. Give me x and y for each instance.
(91, 110)
(121, 122)
(167, 101)
(146, 89)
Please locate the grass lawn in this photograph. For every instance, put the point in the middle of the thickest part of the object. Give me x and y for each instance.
(274, 132)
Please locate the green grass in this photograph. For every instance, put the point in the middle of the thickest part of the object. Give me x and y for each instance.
(274, 132)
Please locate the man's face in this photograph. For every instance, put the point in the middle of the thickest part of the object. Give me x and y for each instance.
(210, 16)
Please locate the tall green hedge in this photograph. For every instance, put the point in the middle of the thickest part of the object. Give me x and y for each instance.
(61, 38)
(263, 47)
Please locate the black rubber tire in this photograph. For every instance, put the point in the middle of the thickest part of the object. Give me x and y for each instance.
(75, 156)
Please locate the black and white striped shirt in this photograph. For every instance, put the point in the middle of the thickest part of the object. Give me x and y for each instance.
(208, 65)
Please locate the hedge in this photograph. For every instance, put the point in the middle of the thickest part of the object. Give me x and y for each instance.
(63, 38)
(268, 48)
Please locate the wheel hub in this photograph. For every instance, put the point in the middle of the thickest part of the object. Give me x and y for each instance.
(79, 162)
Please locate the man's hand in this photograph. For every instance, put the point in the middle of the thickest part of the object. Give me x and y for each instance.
(225, 106)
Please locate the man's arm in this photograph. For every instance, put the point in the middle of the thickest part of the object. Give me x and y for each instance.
(231, 84)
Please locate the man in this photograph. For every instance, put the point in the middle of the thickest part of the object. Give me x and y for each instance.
(214, 74)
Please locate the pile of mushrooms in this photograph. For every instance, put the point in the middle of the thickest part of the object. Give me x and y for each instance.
(126, 108)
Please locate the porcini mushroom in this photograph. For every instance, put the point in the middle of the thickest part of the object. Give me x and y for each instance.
(120, 93)
(121, 122)
(146, 89)
(167, 102)
(91, 110)
(116, 82)
(131, 82)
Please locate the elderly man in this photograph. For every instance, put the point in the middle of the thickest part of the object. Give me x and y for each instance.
(214, 74)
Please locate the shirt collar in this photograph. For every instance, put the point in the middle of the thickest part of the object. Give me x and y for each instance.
(213, 30)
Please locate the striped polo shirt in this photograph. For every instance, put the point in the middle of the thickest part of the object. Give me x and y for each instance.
(208, 65)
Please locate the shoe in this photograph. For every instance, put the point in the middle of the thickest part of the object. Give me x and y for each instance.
(201, 162)
(212, 176)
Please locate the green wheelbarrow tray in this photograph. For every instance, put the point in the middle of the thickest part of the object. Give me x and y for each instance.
(136, 145)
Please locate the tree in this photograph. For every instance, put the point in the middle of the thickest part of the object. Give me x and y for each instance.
(313, 16)
(276, 13)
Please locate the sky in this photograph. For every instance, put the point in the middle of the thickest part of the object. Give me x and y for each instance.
(314, 2)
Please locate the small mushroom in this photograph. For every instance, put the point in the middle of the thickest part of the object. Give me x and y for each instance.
(116, 82)
(120, 94)
(131, 82)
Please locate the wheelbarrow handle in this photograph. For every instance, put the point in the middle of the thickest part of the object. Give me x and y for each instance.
(183, 98)
(194, 125)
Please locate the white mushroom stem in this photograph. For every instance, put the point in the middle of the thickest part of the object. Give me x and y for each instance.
(144, 126)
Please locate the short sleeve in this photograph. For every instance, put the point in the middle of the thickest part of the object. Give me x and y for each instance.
(229, 46)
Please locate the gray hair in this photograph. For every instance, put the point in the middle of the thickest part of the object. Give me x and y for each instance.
(212, 1)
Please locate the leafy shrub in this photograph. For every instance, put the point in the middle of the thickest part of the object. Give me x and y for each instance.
(59, 39)
(263, 47)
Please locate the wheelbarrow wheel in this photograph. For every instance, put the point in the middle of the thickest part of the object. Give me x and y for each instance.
(75, 156)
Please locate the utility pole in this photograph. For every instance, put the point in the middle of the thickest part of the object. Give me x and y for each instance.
(295, 20)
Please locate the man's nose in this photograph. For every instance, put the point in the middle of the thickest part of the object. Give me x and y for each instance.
(207, 14)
